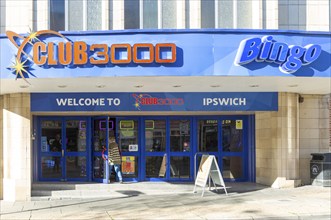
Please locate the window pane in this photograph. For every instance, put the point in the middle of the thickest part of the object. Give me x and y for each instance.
(99, 134)
(155, 167)
(180, 134)
(76, 167)
(244, 14)
(131, 14)
(225, 14)
(232, 135)
(180, 167)
(232, 167)
(75, 11)
(128, 135)
(51, 167)
(57, 16)
(150, 15)
(169, 15)
(94, 12)
(51, 136)
(98, 167)
(76, 135)
(208, 135)
(155, 135)
(208, 14)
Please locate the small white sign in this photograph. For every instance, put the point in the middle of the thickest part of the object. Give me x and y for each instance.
(133, 147)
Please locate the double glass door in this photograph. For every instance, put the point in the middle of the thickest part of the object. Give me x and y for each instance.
(63, 149)
(226, 138)
(167, 149)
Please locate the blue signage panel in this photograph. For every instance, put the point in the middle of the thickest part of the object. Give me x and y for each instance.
(136, 102)
(165, 53)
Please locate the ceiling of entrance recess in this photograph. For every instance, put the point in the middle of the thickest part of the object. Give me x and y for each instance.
(302, 85)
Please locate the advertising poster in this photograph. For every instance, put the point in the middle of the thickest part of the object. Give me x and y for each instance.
(128, 165)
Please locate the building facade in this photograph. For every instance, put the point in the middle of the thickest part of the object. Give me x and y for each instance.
(170, 80)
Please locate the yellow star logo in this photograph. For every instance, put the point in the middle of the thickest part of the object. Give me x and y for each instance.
(32, 36)
(19, 67)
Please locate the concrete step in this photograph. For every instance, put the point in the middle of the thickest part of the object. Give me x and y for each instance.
(50, 190)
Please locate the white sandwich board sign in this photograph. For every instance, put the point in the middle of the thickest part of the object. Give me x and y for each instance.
(209, 170)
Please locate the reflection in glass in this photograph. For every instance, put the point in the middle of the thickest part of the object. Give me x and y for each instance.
(180, 134)
(156, 167)
(51, 136)
(76, 135)
(51, 167)
(155, 139)
(129, 166)
(98, 167)
(75, 167)
(208, 135)
(232, 135)
(232, 167)
(128, 135)
(180, 167)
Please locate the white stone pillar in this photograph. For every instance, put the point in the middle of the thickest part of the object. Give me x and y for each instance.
(15, 144)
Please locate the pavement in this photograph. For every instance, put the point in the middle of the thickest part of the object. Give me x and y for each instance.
(160, 200)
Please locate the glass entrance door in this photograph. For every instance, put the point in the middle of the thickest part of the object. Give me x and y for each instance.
(226, 138)
(63, 149)
(167, 149)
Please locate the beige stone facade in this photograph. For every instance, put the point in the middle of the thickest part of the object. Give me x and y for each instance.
(286, 139)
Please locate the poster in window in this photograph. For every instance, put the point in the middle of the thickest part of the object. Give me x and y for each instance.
(128, 165)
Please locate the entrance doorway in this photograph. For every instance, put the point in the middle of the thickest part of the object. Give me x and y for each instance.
(63, 149)
(153, 148)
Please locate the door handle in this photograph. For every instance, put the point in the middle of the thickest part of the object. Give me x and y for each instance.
(62, 153)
